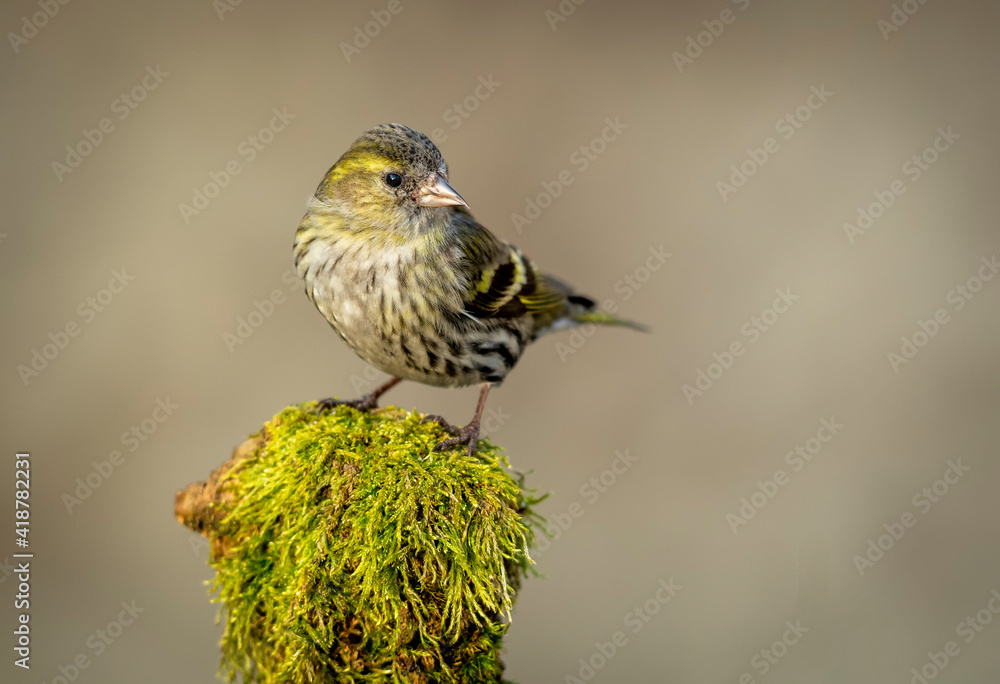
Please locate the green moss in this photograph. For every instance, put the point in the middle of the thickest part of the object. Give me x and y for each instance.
(353, 553)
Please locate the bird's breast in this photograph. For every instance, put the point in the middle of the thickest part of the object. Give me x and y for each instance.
(403, 312)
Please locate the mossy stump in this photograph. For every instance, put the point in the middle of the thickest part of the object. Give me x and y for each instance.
(346, 550)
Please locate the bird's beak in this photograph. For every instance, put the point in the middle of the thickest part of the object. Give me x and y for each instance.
(435, 192)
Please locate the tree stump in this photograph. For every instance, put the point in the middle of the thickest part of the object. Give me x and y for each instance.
(345, 550)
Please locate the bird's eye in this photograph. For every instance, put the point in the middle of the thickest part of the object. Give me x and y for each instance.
(393, 180)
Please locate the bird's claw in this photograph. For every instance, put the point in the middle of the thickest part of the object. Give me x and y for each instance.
(466, 435)
(365, 403)
(445, 425)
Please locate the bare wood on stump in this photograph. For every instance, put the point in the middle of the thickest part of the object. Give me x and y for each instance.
(197, 506)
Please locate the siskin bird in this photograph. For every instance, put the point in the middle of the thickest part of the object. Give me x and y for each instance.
(394, 261)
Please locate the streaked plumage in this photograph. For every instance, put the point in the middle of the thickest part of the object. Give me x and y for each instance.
(393, 259)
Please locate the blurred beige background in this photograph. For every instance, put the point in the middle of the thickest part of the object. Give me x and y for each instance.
(203, 82)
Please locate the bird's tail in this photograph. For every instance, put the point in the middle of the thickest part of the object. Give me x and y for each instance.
(584, 310)
(559, 308)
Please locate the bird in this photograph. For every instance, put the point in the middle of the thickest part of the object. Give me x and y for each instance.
(392, 258)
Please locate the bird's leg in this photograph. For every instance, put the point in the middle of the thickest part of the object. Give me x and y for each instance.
(365, 403)
(470, 433)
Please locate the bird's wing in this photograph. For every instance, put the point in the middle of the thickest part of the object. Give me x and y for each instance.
(506, 284)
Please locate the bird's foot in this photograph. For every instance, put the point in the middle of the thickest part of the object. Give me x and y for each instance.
(445, 425)
(365, 403)
(466, 435)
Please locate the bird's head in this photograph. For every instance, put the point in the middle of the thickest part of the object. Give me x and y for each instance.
(392, 176)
